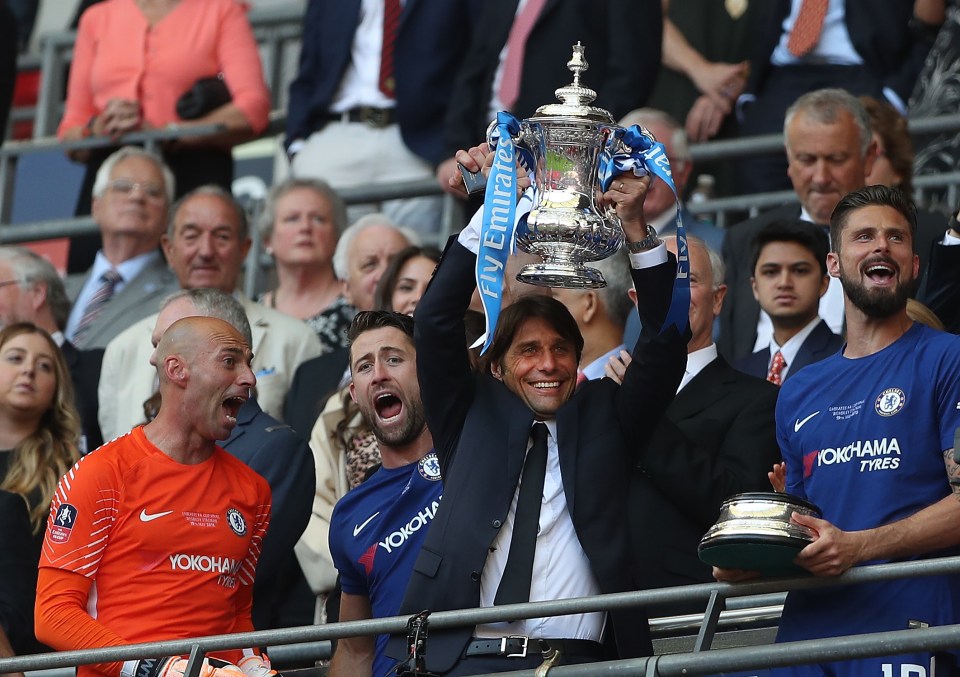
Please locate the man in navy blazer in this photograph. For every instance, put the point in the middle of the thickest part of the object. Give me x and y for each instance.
(789, 277)
(622, 70)
(341, 122)
(481, 426)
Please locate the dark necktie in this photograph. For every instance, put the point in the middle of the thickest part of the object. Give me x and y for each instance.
(515, 584)
(391, 21)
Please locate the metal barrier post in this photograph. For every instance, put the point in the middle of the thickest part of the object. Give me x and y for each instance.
(708, 629)
(195, 662)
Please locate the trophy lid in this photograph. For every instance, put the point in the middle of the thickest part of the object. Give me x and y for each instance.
(575, 98)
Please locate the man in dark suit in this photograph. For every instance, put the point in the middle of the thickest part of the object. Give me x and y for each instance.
(281, 598)
(131, 195)
(789, 278)
(941, 288)
(830, 150)
(717, 439)
(353, 117)
(622, 68)
(858, 49)
(31, 291)
(483, 548)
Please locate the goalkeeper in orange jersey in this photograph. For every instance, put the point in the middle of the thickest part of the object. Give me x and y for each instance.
(156, 535)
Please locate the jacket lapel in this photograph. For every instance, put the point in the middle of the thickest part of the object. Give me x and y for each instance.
(703, 390)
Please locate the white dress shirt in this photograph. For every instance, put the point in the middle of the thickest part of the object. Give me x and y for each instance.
(696, 361)
(360, 85)
(561, 569)
(790, 349)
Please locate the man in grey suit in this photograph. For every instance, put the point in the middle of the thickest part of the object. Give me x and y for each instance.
(131, 195)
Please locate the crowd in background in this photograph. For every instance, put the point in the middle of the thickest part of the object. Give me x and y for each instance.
(390, 91)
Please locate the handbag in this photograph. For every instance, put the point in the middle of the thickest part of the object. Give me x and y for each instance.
(206, 95)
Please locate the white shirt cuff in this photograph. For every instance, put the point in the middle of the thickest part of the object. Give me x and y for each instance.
(650, 258)
(469, 237)
(950, 240)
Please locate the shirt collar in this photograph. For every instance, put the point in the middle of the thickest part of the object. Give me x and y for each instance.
(696, 361)
(790, 349)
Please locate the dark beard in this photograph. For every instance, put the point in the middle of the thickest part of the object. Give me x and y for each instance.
(407, 433)
(878, 304)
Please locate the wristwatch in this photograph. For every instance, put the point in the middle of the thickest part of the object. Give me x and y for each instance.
(647, 243)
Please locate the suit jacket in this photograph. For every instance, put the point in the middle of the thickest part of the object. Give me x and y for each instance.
(741, 312)
(84, 368)
(427, 54)
(280, 344)
(274, 452)
(480, 432)
(139, 298)
(622, 68)
(820, 344)
(717, 439)
(941, 289)
(313, 383)
(883, 40)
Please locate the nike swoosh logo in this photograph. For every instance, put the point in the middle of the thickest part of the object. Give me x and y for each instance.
(799, 423)
(357, 529)
(147, 517)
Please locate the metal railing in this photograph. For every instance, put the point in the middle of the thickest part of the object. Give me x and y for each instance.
(702, 660)
(276, 29)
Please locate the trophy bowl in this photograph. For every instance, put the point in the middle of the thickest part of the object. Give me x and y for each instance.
(754, 532)
(566, 227)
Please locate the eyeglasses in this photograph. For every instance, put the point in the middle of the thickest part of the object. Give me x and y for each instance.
(126, 186)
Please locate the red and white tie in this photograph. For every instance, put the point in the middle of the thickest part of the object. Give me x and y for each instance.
(775, 372)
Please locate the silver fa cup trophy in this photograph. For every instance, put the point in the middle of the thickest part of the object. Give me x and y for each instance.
(565, 227)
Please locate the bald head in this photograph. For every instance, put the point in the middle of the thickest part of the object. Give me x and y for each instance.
(189, 337)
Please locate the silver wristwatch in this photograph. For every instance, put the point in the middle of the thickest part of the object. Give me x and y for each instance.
(647, 243)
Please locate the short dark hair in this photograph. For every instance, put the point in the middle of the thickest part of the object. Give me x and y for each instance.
(533, 306)
(880, 196)
(808, 235)
(368, 320)
(383, 296)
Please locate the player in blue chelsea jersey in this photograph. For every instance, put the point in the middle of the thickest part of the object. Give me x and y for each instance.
(376, 529)
(868, 436)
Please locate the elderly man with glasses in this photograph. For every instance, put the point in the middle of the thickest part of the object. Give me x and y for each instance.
(131, 195)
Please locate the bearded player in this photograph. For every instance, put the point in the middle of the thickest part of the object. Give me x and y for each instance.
(867, 435)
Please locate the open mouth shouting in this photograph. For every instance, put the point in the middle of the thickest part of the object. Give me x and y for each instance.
(231, 407)
(882, 272)
(388, 406)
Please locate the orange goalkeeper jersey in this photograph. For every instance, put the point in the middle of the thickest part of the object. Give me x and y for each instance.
(170, 548)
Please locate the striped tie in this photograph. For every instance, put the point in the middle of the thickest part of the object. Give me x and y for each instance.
(391, 21)
(108, 284)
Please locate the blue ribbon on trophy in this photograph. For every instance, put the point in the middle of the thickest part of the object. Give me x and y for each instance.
(498, 230)
(645, 155)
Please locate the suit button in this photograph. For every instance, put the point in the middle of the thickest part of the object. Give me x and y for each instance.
(497, 524)
(475, 576)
